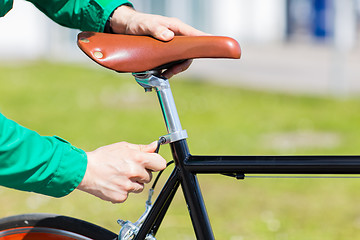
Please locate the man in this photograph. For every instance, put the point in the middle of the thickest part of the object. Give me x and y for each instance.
(52, 166)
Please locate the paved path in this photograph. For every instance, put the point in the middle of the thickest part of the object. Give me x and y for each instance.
(303, 69)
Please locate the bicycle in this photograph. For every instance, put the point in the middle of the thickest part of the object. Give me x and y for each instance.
(146, 57)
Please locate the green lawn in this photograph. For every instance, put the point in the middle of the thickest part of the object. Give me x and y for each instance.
(91, 107)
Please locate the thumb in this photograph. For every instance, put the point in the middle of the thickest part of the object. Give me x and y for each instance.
(164, 34)
(150, 148)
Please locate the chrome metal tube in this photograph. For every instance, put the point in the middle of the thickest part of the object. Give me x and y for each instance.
(168, 107)
(151, 80)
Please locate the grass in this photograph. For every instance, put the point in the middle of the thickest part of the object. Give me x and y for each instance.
(92, 107)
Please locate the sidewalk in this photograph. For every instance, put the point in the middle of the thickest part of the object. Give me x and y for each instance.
(290, 68)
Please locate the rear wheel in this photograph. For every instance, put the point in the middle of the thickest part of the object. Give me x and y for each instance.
(51, 227)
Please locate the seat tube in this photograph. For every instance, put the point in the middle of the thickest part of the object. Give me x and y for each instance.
(192, 193)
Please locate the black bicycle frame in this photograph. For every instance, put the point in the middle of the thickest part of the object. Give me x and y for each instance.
(188, 181)
(188, 166)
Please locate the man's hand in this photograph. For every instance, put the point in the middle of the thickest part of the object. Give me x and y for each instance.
(126, 20)
(116, 170)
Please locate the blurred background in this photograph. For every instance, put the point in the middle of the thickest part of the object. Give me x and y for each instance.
(278, 37)
(295, 91)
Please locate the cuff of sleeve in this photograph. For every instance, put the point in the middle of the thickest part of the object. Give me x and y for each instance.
(5, 7)
(70, 171)
(109, 7)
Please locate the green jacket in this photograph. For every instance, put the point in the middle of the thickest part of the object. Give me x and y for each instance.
(49, 165)
(86, 15)
(30, 162)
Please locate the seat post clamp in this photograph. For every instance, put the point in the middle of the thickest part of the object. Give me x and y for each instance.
(173, 137)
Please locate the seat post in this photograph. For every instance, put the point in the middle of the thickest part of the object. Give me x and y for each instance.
(150, 80)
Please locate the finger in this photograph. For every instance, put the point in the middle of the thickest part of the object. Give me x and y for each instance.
(183, 29)
(166, 28)
(147, 158)
(142, 176)
(137, 187)
(117, 197)
(121, 193)
(150, 148)
(153, 25)
(152, 161)
(177, 69)
(163, 33)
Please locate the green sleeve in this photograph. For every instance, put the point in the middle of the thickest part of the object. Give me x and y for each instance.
(30, 162)
(86, 15)
(5, 6)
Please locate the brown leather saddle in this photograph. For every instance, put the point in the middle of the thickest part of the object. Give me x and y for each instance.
(128, 53)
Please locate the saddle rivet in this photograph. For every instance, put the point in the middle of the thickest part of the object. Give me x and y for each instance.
(98, 54)
(84, 40)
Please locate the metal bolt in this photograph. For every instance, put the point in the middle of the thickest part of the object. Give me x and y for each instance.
(98, 54)
(84, 40)
(121, 222)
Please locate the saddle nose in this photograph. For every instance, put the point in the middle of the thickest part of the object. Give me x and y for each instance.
(129, 53)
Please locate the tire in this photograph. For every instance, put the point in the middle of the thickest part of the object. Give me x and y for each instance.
(51, 227)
